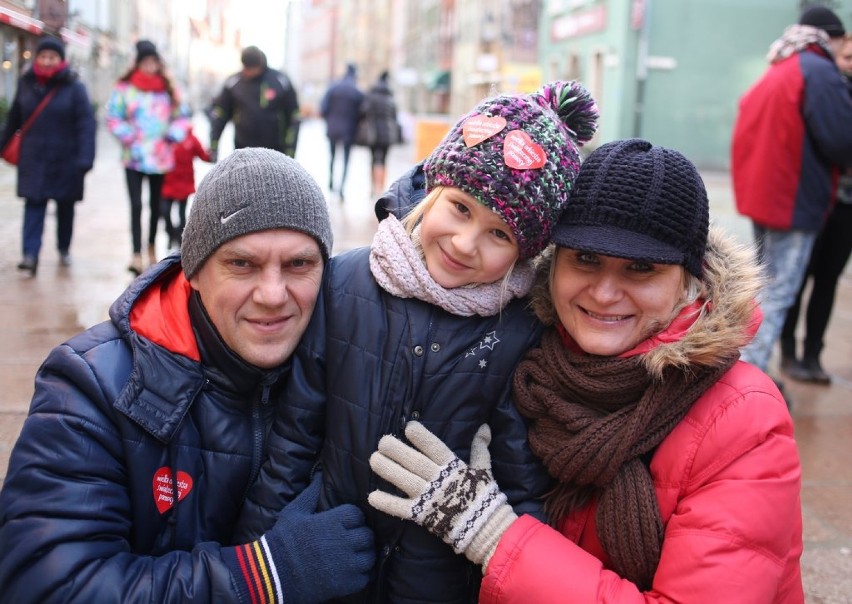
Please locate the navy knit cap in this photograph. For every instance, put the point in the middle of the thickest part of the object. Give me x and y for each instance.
(51, 43)
(518, 155)
(637, 201)
(823, 18)
(145, 48)
(253, 189)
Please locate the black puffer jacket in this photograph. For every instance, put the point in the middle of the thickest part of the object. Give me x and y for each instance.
(86, 511)
(59, 147)
(377, 361)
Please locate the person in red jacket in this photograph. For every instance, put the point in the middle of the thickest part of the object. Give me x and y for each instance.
(677, 474)
(179, 184)
(792, 135)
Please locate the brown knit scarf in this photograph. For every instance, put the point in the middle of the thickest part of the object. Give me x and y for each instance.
(592, 420)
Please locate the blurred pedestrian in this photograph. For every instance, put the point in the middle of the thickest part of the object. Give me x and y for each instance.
(179, 184)
(830, 254)
(793, 131)
(145, 114)
(57, 150)
(340, 106)
(261, 102)
(677, 473)
(380, 127)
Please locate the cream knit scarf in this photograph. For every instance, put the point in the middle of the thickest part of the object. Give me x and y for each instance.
(396, 261)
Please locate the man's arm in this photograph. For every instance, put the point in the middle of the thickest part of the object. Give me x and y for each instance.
(220, 112)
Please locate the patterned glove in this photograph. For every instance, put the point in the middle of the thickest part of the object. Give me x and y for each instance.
(459, 503)
(307, 556)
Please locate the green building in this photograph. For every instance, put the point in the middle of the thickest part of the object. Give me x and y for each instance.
(699, 56)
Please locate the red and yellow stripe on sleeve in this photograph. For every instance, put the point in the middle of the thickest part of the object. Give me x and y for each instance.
(259, 572)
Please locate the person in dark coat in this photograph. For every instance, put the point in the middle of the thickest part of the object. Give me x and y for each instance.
(379, 120)
(262, 104)
(57, 150)
(428, 323)
(145, 431)
(340, 106)
(792, 135)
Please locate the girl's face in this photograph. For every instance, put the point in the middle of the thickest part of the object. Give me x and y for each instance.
(608, 304)
(464, 242)
(844, 56)
(149, 64)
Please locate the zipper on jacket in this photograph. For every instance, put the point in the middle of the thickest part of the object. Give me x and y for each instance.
(258, 430)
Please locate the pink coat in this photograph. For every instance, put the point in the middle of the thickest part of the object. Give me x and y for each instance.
(728, 482)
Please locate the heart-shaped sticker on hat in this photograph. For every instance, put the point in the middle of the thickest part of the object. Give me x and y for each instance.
(164, 489)
(521, 153)
(478, 128)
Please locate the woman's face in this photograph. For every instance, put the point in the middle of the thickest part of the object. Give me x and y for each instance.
(47, 59)
(609, 304)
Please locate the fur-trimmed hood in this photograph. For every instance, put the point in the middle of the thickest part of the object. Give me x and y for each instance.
(729, 318)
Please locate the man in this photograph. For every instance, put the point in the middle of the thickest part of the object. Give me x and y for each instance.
(146, 431)
(341, 107)
(263, 105)
(793, 131)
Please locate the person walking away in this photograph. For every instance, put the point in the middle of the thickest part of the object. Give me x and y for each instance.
(379, 121)
(262, 104)
(340, 107)
(179, 184)
(793, 133)
(830, 254)
(145, 113)
(677, 473)
(57, 150)
(429, 322)
(146, 431)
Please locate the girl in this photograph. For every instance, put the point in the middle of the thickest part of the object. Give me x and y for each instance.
(179, 184)
(428, 323)
(145, 115)
(677, 473)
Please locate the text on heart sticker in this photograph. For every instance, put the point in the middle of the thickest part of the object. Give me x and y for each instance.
(478, 128)
(521, 153)
(164, 489)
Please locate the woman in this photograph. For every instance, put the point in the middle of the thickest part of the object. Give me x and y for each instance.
(378, 121)
(146, 116)
(677, 475)
(56, 151)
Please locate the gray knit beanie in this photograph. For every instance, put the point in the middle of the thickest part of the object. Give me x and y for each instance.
(252, 190)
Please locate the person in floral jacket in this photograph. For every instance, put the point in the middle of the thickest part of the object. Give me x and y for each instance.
(145, 114)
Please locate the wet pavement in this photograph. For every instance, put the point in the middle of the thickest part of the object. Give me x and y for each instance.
(38, 313)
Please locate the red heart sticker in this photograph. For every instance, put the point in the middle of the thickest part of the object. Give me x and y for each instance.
(520, 152)
(164, 490)
(478, 128)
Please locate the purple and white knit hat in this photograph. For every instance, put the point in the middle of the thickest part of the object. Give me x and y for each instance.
(519, 156)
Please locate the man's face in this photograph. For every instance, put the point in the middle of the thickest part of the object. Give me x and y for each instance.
(259, 290)
(252, 72)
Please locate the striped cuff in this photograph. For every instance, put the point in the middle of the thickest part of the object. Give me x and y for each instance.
(254, 572)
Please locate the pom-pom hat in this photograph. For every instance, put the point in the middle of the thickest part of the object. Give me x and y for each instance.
(518, 155)
(144, 49)
(634, 200)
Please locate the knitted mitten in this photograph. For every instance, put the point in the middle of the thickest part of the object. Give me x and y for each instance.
(306, 556)
(457, 502)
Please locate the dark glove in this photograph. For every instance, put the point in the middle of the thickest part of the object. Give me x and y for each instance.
(459, 503)
(214, 151)
(307, 556)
